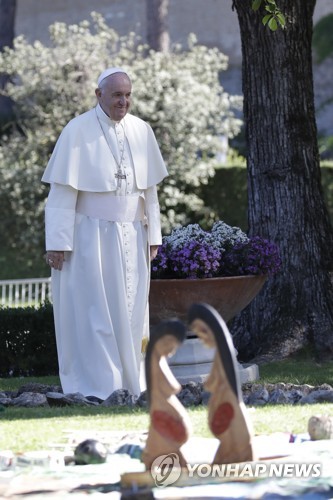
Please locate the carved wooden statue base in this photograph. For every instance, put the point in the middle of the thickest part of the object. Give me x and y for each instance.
(227, 417)
(169, 422)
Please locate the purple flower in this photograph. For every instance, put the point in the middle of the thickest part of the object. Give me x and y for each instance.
(190, 252)
(257, 256)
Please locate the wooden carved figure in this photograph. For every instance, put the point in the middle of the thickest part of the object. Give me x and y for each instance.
(227, 417)
(169, 423)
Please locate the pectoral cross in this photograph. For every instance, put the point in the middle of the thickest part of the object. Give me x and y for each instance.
(119, 176)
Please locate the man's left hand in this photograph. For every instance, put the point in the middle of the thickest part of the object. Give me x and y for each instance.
(153, 251)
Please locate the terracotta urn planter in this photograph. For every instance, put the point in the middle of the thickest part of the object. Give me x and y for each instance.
(228, 295)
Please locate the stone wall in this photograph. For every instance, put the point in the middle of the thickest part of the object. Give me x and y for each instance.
(213, 21)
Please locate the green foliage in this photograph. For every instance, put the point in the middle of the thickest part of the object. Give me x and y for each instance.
(15, 264)
(27, 341)
(274, 18)
(322, 39)
(226, 193)
(178, 93)
(325, 143)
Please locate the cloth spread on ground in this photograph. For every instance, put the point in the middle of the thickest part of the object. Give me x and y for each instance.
(53, 478)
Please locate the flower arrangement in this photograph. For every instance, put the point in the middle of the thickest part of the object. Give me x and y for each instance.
(190, 252)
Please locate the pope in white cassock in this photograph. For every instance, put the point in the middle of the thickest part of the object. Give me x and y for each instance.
(102, 227)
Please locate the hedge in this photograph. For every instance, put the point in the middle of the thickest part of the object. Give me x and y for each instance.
(27, 341)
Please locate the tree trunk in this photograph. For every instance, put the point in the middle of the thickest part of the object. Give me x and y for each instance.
(157, 28)
(7, 21)
(286, 204)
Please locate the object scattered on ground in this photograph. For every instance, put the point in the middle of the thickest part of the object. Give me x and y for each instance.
(320, 427)
(90, 451)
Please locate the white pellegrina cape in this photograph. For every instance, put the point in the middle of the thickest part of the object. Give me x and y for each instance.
(100, 297)
(81, 157)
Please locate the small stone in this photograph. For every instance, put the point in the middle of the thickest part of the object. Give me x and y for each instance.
(320, 427)
(94, 399)
(5, 401)
(278, 396)
(120, 397)
(259, 397)
(57, 399)
(318, 396)
(294, 396)
(79, 399)
(30, 400)
(142, 400)
(205, 397)
(190, 394)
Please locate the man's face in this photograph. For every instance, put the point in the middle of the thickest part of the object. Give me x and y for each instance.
(114, 96)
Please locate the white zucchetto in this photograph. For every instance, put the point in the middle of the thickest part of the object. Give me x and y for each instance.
(107, 72)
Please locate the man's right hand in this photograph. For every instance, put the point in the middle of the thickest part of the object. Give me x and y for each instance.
(55, 259)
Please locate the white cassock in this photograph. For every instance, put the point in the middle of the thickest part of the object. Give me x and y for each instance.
(105, 225)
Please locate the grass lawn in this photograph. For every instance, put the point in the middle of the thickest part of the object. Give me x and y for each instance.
(25, 429)
(39, 428)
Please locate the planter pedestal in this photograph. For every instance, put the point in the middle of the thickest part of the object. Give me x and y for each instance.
(193, 362)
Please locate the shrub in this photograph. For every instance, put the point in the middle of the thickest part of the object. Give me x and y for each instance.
(27, 341)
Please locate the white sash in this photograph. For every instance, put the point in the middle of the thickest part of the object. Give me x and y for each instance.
(107, 206)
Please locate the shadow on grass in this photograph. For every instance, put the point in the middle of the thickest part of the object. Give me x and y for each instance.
(301, 368)
(12, 413)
